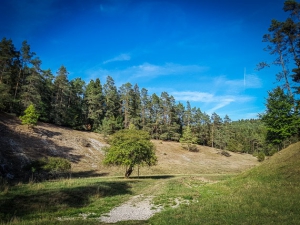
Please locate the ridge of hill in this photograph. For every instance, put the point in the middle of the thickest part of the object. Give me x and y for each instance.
(19, 146)
(282, 165)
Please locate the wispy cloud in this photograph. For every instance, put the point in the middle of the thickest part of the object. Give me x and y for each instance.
(234, 86)
(150, 70)
(214, 102)
(146, 70)
(121, 57)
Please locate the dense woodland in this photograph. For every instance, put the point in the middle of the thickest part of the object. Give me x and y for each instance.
(100, 106)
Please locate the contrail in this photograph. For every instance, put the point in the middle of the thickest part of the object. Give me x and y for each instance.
(245, 78)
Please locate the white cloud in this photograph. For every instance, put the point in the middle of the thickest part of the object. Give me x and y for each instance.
(150, 70)
(213, 102)
(145, 70)
(121, 57)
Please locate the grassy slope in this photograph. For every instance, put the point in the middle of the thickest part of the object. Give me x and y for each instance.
(268, 194)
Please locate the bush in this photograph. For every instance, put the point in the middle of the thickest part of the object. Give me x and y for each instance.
(261, 156)
(51, 166)
(56, 165)
(225, 153)
(193, 148)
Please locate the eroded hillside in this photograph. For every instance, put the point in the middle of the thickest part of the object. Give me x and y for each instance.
(19, 146)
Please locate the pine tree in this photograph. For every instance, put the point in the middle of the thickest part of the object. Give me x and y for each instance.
(46, 92)
(188, 139)
(60, 97)
(280, 118)
(112, 120)
(30, 116)
(94, 101)
(9, 56)
(31, 87)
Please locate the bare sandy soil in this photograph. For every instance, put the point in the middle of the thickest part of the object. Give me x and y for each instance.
(20, 145)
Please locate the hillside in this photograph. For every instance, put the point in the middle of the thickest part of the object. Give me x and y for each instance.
(20, 145)
(266, 194)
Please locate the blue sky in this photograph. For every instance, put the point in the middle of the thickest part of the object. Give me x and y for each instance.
(201, 51)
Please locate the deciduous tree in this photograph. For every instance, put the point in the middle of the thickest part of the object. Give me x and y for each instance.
(130, 147)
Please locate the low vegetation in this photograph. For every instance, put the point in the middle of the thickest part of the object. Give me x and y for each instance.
(267, 194)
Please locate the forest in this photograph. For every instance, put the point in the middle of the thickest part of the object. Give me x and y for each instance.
(100, 106)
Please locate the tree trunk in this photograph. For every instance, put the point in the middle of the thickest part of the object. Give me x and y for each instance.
(128, 171)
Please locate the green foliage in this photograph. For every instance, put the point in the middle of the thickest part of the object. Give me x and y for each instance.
(30, 117)
(280, 119)
(56, 165)
(50, 164)
(188, 139)
(129, 148)
(261, 156)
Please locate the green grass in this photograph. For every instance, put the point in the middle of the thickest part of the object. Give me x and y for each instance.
(267, 194)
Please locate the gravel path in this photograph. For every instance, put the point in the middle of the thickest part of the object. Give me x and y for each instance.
(137, 208)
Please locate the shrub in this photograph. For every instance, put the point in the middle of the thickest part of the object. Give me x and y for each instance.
(56, 165)
(51, 166)
(261, 156)
(225, 153)
(193, 148)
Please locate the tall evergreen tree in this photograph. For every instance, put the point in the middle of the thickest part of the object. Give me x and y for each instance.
(112, 120)
(31, 87)
(280, 118)
(94, 100)
(8, 58)
(60, 98)
(75, 114)
(126, 98)
(145, 110)
(46, 95)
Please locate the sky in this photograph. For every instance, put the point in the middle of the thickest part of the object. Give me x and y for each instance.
(201, 51)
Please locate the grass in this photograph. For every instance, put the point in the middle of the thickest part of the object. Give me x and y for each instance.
(267, 194)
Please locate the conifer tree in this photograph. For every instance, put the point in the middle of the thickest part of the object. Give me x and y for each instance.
(112, 120)
(94, 101)
(280, 118)
(60, 97)
(30, 116)
(188, 138)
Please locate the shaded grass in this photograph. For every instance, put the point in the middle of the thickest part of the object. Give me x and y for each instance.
(66, 198)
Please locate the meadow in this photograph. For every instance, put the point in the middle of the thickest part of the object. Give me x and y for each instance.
(266, 194)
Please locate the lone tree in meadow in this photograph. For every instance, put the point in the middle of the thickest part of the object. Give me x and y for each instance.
(30, 116)
(129, 148)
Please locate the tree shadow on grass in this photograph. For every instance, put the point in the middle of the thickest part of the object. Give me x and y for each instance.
(89, 173)
(28, 203)
(155, 177)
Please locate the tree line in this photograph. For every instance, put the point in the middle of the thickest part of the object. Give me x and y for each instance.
(102, 107)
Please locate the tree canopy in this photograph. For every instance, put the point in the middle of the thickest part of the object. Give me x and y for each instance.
(130, 147)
